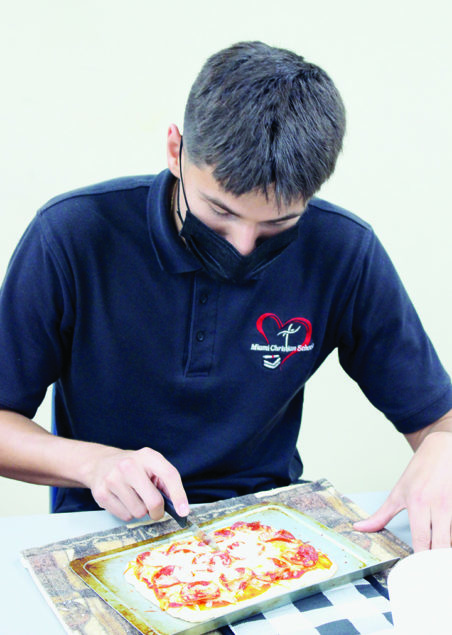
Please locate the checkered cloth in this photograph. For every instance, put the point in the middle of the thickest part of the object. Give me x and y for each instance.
(352, 609)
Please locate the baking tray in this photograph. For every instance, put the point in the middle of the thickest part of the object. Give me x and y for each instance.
(103, 572)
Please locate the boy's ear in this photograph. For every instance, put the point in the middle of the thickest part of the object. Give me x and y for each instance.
(173, 142)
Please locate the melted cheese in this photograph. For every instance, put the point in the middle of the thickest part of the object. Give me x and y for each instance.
(248, 565)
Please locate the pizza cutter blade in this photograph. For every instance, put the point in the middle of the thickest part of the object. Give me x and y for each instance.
(188, 522)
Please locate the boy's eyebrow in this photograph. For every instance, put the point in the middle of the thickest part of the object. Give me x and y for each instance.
(218, 203)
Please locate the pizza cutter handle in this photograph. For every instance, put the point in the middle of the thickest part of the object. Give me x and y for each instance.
(170, 509)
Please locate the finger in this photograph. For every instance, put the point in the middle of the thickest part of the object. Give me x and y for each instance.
(441, 530)
(117, 508)
(380, 518)
(167, 478)
(154, 503)
(136, 491)
(128, 497)
(420, 524)
(108, 501)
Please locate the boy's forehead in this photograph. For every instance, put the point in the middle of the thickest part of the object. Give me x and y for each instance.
(208, 189)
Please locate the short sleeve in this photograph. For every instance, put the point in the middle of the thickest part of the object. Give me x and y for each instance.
(383, 347)
(36, 317)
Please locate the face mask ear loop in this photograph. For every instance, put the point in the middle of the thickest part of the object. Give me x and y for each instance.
(181, 181)
(177, 203)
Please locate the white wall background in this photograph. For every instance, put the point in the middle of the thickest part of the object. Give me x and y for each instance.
(90, 86)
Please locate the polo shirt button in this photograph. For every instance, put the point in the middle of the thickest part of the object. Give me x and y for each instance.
(200, 336)
(203, 298)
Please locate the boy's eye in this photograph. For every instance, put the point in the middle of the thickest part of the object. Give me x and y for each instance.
(219, 213)
(275, 223)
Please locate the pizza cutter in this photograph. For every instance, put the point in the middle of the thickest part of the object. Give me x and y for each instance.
(188, 522)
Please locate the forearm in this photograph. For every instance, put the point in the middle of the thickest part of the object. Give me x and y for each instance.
(424, 489)
(125, 482)
(30, 453)
(444, 424)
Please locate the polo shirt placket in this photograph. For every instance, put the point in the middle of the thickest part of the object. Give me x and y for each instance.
(201, 341)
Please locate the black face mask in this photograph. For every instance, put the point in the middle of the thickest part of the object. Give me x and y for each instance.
(219, 258)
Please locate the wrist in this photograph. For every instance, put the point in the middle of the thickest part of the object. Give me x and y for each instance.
(89, 455)
(444, 424)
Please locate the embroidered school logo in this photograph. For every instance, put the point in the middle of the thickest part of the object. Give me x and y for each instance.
(295, 336)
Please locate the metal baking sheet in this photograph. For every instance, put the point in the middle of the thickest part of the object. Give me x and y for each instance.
(104, 572)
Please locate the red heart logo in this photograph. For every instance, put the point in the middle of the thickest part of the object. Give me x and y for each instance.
(306, 323)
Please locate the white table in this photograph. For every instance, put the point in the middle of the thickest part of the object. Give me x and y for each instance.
(24, 610)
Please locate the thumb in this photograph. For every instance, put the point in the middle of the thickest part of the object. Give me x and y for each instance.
(380, 518)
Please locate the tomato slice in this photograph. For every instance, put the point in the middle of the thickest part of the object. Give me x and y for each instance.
(164, 584)
(146, 581)
(236, 579)
(283, 535)
(238, 524)
(209, 604)
(234, 545)
(178, 548)
(225, 533)
(273, 573)
(193, 592)
(252, 526)
(211, 561)
(271, 576)
(222, 557)
(305, 555)
(255, 526)
(143, 556)
(165, 577)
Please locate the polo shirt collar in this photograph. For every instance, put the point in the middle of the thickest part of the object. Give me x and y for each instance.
(169, 248)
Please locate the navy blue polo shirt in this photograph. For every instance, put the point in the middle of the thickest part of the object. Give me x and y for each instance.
(102, 299)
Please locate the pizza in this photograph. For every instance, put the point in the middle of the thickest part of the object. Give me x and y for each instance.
(193, 582)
